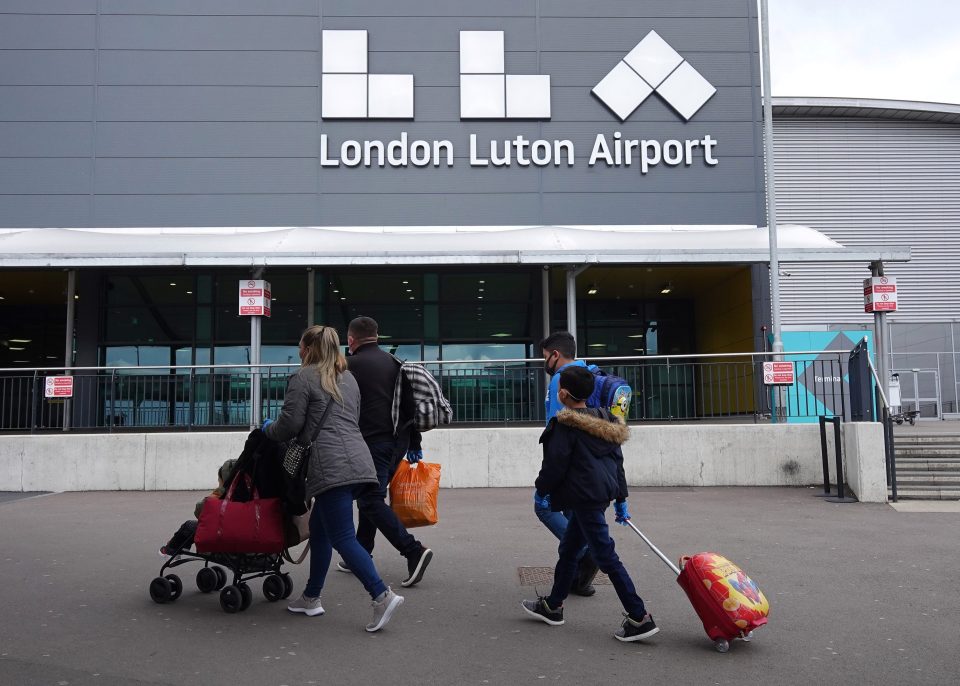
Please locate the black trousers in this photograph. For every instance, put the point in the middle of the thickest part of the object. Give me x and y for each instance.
(375, 514)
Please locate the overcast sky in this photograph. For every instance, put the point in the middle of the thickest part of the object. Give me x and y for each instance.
(896, 49)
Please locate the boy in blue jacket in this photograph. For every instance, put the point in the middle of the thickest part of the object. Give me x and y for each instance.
(582, 472)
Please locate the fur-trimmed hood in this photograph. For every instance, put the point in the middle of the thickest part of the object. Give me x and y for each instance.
(615, 432)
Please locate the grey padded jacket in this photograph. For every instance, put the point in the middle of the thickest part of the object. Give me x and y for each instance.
(339, 456)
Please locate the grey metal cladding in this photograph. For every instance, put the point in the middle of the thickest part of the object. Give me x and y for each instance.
(632, 8)
(208, 68)
(735, 176)
(660, 208)
(428, 180)
(206, 103)
(206, 139)
(436, 34)
(48, 7)
(45, 210)
(439, 209)
(205, 175)
(45, 175)
(47, 67)
(47, 31)
(873, 182)
(131, 32)
(307, 8)
(621, 35)
(207, 113)
(45, 139)
(46, 103)
(247, 209)
(430, 8)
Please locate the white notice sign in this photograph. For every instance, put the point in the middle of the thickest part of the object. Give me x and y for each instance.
(254, 297)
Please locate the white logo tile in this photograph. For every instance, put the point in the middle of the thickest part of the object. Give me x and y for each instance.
(651, 66)
(347, 91)
(487, 92)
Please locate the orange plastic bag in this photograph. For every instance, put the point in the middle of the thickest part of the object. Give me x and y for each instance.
(413, 493)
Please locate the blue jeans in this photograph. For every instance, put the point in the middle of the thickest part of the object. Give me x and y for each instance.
(590, 527)
(331, 526)
(557, 523)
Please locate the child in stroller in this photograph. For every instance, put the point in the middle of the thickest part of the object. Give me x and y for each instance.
(182, 539)
(258, 467)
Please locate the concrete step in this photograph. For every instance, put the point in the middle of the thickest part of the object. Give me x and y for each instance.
(924, 439)
(937, 479)
(943, 464)
(913, 493)
(926, 451)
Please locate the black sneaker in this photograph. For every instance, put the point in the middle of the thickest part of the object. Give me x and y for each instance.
(416, 566)
(586, 572)
(540, 610)
(632, 630)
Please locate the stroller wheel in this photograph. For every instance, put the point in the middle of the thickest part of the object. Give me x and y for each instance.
(221, 577)
(231, 600)
(273, 588)
(246, 594)
(287, 584)
(176, 586)
(207, 580)
(160, 590)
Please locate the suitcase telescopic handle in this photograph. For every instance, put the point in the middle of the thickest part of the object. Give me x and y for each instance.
(669, 563)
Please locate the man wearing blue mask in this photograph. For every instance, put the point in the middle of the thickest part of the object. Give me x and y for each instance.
(559, 351)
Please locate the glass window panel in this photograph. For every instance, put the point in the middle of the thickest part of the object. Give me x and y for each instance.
(149, 324)
(150, 289)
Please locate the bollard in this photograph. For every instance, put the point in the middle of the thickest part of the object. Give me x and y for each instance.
(841, 496)
(823, 455)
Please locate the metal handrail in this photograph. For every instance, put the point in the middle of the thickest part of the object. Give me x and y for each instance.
(539, 360)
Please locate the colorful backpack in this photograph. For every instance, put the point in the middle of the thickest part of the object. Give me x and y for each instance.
(610, 392)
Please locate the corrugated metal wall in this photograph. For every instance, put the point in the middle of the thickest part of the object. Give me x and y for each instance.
(870, 181)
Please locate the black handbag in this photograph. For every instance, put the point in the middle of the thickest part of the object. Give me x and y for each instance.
(297, 451)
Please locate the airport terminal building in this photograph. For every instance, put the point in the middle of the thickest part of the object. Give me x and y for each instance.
(472, 175)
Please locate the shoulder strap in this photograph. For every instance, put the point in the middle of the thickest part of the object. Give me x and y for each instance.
(326, 411)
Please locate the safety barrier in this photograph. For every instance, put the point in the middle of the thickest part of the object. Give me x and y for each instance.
(666, 388)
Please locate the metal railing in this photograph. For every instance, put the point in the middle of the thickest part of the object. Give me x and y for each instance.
(670, 388)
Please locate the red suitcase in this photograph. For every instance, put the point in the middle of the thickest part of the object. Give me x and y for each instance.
(727, 601)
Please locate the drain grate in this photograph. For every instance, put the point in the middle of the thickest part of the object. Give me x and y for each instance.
(543, 576)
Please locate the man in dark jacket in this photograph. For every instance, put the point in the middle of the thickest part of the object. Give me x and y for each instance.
(582, 472)
(376, 373)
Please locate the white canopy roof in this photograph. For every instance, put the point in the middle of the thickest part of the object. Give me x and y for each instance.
(363, 245)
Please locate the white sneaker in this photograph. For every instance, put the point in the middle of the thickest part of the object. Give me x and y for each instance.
(311, 607)
(383, 609)
(342, 567)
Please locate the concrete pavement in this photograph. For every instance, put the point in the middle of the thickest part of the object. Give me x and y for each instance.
(860, 594)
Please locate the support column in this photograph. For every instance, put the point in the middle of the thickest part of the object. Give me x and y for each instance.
(68, 341)
(572, 274)
(880, 331)
(311, 296)
(771, 186)
(545, 297)
(256, 413)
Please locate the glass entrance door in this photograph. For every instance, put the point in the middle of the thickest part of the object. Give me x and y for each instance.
(920, 390)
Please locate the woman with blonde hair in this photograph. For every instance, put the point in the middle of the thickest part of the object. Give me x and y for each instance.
(339, 467)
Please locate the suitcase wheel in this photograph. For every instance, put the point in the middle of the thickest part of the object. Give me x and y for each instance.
(722, 645)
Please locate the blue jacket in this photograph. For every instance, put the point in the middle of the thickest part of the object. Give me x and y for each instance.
(551, 403)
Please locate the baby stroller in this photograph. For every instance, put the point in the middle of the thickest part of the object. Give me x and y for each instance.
(257, 474)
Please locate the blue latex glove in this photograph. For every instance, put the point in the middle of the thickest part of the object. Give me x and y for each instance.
(541, 500)
(266, 423)
(623, 514)
(414, 456)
